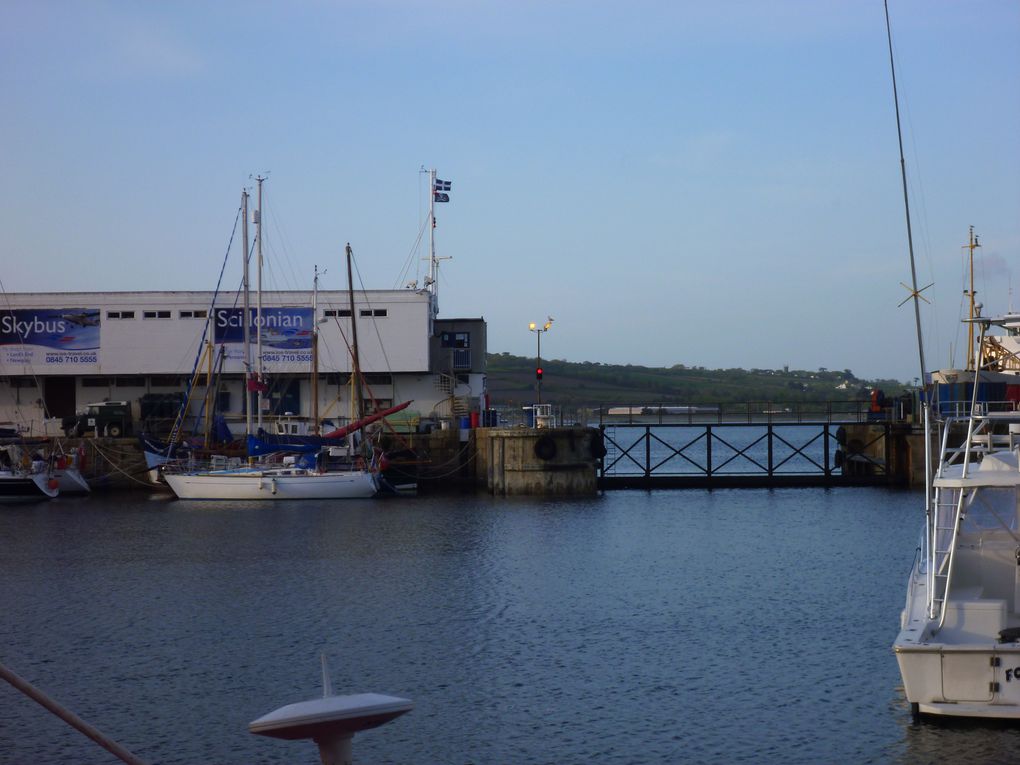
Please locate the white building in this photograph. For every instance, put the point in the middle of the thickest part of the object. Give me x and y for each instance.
(62, 351)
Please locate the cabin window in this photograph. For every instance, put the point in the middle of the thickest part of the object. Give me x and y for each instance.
(991, 509)
(120, 314)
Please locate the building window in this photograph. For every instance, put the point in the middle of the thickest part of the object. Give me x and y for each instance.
(95, 382)
(337, 312)
(155, 314)
(22, 382)
(455, 339)
(199, 314)
(366, 311)
(338, 378)
(377, 378)
(165, 381)
(120, 314)
(378, 311)
(129, 382)
(461, 358)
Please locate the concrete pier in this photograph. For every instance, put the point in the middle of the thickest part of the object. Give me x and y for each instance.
(537, 461)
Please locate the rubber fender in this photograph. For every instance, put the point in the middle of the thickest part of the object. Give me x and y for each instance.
(545, 448)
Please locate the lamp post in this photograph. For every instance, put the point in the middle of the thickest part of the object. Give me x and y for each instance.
(538, 366)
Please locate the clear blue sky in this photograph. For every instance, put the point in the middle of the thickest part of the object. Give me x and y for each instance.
(683, 182)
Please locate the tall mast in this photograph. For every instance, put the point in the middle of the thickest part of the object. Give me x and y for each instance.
(971, 293)
(915, 293)
(258, 303)
(358, 398)
(315, 353)
(246, 321)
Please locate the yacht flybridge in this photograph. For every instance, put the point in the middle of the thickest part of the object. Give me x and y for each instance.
(959, 643)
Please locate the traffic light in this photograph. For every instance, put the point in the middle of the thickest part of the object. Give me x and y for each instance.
(538, 374)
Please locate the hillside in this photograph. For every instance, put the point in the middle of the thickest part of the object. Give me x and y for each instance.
(511, 380)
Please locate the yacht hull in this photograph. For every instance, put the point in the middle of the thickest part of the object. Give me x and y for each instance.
(259, 485)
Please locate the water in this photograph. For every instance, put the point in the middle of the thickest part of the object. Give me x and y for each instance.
(635, 627)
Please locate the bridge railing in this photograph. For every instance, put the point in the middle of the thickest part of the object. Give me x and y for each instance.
(768, 451)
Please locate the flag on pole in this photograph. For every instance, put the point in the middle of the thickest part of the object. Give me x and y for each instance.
(441, 197)
(442, 185)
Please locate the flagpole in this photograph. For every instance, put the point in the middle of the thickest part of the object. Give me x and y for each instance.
(433, 270)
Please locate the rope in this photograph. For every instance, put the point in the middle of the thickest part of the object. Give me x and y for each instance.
(117, 468)
(175, 431)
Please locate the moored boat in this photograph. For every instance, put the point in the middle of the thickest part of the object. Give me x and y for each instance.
(958, 647)
(271, 483)
(16, 484)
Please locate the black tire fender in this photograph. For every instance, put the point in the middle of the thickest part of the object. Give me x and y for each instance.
(545, 448)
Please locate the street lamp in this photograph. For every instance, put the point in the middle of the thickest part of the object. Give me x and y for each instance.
(538, 366)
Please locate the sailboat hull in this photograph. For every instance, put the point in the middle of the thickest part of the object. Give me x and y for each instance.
(272, 485)
(14, 486)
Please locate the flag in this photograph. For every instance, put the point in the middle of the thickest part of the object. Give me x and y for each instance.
(440, 197)
(443, 185)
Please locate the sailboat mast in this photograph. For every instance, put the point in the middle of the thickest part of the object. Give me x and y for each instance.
(358, 398)
(246, 321)
(971, 294)
(315, 353)
(258, 304)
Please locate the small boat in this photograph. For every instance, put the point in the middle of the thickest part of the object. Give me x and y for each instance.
(17, 484)
(23, 476)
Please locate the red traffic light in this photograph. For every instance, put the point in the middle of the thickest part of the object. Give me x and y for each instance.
(538, 373)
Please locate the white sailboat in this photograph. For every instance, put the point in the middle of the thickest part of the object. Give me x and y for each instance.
(269, 481)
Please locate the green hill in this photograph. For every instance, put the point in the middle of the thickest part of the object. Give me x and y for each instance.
(511, 380)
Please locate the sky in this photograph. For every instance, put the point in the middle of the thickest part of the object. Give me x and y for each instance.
(708, 184)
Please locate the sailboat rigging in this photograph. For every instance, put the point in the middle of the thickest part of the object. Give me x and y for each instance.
(261, 479)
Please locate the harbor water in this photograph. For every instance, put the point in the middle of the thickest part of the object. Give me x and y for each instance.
(633, 627)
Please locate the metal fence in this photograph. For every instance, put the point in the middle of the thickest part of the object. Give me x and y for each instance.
(765, 454)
